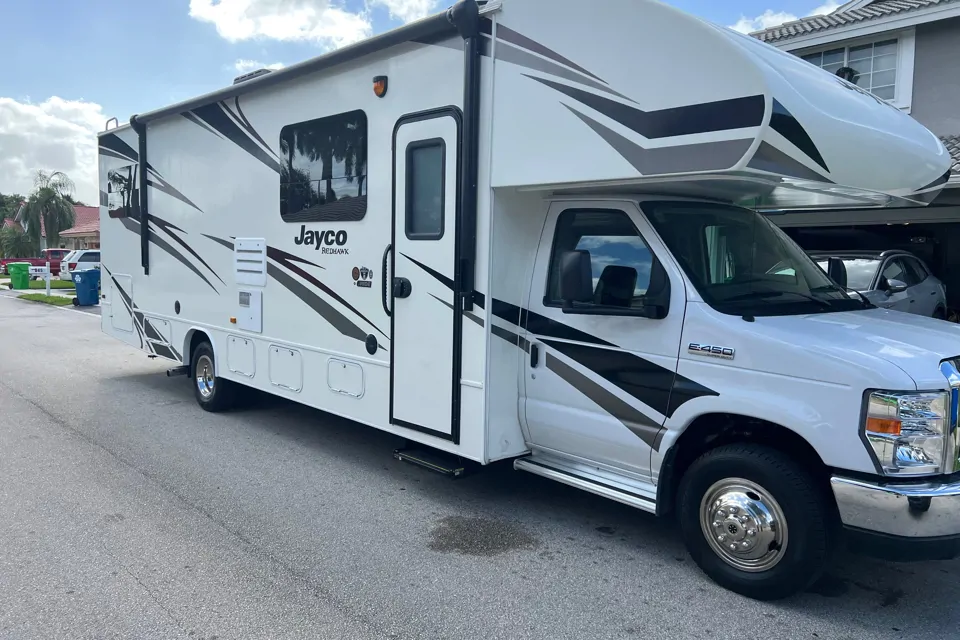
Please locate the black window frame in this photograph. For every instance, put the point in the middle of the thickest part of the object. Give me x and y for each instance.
(316, 123)
(881, 278)
(408, 191)
(590, 309)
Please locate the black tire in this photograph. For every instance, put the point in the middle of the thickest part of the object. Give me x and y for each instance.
(810, 530)
(219, 394)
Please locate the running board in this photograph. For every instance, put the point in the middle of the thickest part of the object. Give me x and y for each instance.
(587, 484)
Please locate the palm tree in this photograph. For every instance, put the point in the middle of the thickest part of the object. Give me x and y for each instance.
(14, 243)
(49, 203)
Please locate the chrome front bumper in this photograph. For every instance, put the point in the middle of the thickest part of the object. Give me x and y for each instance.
(901, 510)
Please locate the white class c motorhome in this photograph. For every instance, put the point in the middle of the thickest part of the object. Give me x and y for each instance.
(520, 230)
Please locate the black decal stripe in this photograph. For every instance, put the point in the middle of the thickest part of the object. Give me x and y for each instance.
(683, 158)
(476, 319)
(638, 423)
(684, 390)
(216, 117)
(444, 280)
(151, 331)
(281, 254)
(644, 380)
(220, 241)
(784, 123)
(164, 351)
(166, 227)
(113, 142)
(942, 180)
(722, 115)
(249, 127)
(769, 158)
(519, 57)
(189, 115)
(113, 154)
(161, 185)
(511, 36)
(135, 227)
(339, 321)
(273, 254)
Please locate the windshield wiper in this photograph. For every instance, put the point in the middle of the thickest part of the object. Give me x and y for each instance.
(760, 294)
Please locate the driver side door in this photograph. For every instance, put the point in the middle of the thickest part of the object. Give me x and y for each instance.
(893, 269)
(597, 387)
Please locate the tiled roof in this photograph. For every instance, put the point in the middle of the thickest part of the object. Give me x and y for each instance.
(813, 24)
(953, 146)
(87, 222)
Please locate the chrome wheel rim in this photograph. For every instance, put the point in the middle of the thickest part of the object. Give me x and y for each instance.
(743, 524)
(204, 376)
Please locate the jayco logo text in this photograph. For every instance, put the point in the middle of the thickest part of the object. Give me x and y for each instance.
(327, 242)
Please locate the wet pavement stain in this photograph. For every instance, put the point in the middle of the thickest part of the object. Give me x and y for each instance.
(479, 536)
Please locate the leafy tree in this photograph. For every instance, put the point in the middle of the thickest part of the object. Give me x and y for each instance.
(9, 205)
(74, 201)
(49, 203)
(16, 243)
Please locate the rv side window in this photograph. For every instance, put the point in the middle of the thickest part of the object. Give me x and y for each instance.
(424, 189)
(120, 191)
(323, 169)
(620, 260)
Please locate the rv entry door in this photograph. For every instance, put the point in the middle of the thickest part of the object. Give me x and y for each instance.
(425, 355)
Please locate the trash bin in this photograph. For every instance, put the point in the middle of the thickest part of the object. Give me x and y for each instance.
(88, 287)
(19, 275)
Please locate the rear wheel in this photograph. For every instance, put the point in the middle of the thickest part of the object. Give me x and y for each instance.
(755, 521)
(213, 393)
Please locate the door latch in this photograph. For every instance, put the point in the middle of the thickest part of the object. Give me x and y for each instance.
(401, 287)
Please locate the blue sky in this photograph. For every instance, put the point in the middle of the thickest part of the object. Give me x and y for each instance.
(70, 64)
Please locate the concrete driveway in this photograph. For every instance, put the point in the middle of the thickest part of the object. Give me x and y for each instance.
(127, 512)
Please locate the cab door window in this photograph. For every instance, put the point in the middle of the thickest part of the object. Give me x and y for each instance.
(621, 262)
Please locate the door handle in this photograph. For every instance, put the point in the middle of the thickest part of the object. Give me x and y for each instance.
(383, 271)
(401, 287)
(534, 356)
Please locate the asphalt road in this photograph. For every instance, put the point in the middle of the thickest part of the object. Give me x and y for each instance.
(127, 512)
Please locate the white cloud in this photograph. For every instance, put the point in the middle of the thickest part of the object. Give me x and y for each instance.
(771, 18)
(53, 135)
(407, 10)
(287, 20)
(245, 66)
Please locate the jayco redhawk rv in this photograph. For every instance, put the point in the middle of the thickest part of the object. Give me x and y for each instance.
(523, 230)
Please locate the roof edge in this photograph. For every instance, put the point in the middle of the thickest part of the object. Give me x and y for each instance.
(424, 29)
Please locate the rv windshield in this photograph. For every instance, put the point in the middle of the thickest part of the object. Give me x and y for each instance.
(743, 264)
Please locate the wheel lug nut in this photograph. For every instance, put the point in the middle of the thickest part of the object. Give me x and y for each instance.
(716, 524)
(722, 513)
(734, 509)
(733, 547)
(751, 532)
(742, 519)
(744, 545)
(721, 537)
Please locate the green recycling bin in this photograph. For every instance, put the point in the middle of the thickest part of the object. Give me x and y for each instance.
(19, 275)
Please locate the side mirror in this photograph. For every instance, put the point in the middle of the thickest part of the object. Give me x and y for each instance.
(837, 271)
(576, 277)
(895, 286)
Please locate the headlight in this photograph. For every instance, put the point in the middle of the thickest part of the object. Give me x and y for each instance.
(908, 431)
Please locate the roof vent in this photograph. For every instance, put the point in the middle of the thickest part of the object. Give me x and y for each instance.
(251, 75)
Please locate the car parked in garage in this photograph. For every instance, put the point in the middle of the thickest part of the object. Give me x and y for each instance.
(890, 279)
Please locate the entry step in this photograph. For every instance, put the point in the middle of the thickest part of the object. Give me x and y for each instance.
(444, 463)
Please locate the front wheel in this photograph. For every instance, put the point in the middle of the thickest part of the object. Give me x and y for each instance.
(213, 394)
(755, 521)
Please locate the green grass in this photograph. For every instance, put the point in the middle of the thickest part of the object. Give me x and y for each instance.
(58, 301)
(54, 284)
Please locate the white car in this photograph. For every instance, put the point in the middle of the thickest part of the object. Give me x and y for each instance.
(79, 260)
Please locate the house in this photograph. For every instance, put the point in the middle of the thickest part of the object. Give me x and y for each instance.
(905, 52)
(85, 233)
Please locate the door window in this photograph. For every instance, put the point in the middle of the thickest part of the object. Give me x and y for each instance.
(90, 256)
(621, 262)
(424, 189)
(895, 270)
(915, 271)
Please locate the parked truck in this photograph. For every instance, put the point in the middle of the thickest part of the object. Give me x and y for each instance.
(529, 230)
(53, 256)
